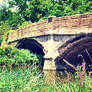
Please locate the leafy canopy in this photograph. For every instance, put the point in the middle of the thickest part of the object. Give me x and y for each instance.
(23, 12)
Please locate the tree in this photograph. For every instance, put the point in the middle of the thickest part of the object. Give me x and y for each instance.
(31, 10)
(34, 10)
(4, 28)
(15, 20)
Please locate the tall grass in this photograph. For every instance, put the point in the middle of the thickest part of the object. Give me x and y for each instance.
(30, 79)
(16, 79)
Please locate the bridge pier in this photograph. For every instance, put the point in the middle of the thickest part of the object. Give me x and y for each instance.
(50, 55)
(50, 70)
(49, 63)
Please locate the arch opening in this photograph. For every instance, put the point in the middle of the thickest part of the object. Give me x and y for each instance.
(32, 45)
(75, 51)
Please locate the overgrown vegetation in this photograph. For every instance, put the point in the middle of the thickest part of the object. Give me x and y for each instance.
(13, 56)
(20, 13)
(23, 79)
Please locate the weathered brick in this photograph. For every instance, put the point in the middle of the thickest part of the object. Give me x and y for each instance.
(64, 25)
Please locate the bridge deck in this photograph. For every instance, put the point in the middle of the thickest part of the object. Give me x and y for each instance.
(57, 25)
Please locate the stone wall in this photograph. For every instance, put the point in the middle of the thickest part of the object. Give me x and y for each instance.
(55, 25)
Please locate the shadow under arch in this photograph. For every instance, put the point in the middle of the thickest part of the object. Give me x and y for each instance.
(75, 51)
(30, 44)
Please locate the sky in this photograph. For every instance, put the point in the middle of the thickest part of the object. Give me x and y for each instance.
(3, 3)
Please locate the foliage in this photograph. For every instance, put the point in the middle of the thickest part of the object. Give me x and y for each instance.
(31, 10)
(13, 56)
(15, 80)
(1, 39)
(15, 20)
(25, 23)
(4, 29)
(10, 19)
(36, 10)
(23, 79)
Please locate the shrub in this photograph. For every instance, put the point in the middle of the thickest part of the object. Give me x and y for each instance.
(1, 38)
(13, 56)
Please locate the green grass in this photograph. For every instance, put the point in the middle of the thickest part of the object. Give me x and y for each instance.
(30, 79)
(13, 80)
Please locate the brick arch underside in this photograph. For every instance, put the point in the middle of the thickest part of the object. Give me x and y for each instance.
(30, 44)
(75, 51)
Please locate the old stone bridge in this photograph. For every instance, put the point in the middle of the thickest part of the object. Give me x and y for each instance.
(60, 39)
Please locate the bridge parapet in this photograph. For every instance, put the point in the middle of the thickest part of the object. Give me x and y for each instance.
(56, 25)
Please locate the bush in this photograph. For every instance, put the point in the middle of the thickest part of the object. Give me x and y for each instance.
(13, 56)
(1, 38)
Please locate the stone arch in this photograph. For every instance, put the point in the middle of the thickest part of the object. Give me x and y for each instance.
(75, 51)
(30, 44)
